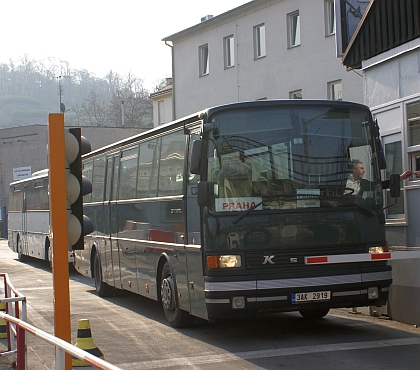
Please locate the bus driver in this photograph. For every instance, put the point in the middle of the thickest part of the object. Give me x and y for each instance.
(359, 184)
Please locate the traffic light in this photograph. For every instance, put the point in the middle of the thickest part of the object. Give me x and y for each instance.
(78, 225)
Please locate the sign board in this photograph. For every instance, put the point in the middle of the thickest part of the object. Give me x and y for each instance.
(21, 173)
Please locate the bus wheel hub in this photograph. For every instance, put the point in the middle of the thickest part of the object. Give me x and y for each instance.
(167, 293)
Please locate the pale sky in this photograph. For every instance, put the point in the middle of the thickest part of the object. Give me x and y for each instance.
(122, 35)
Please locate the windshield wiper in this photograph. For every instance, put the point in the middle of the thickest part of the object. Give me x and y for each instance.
(249, 210)
(349, 202)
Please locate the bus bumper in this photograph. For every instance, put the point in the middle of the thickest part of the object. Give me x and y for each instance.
(259, 293)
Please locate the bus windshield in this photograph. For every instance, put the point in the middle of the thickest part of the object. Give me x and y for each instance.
(292, 158)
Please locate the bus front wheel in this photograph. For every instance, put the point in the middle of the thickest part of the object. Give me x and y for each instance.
(176, 317)
(314, 313)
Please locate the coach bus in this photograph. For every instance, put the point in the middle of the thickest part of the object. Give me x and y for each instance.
(29, 218)
(242, 209)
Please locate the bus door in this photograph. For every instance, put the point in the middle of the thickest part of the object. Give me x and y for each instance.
(193, 247)
(112, 260)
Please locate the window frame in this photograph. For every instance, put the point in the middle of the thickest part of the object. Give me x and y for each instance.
(409, 120)
(399, 218)
(331, 89)
(293, 29)
(161, 112)
(229, 51)
(204, 60)
(413, 151)
(260, 45)
(329, 6)
(293, 94)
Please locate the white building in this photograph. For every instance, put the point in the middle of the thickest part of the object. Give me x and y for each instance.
(391, 69)
(264, 49)
(162, 104)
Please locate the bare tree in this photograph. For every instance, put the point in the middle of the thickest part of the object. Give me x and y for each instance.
(110, 101)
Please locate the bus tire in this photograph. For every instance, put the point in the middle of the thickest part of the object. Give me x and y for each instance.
(176, 317)
(102, 288)
(21, 257)
(314, 313)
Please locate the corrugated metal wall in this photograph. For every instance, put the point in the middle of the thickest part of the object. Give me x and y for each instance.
(388, 24)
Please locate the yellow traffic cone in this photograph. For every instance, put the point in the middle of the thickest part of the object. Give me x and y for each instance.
(84, 341)
(3, 327)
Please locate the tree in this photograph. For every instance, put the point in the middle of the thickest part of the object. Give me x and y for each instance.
(110, 101)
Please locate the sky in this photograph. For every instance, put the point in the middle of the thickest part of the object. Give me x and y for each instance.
(123, 36)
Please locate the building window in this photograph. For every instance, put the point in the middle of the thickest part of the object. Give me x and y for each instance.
(293, 21)
(204, 60)
(259, 41)
(161, 112)
(394, 164)
(335, 90)
(413, 130)
(413, 123)
(295, 94)
(329, 18)
(229, 46)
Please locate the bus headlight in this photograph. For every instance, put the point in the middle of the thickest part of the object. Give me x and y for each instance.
(224, 261)
(379, 249)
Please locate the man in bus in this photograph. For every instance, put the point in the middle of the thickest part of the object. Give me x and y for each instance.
(359, 185)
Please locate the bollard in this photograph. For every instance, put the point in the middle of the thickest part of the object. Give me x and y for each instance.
(3, 325)
(84, 341)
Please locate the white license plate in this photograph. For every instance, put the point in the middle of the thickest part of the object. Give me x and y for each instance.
(312, 296)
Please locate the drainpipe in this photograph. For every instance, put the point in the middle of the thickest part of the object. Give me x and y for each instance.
(173, 80)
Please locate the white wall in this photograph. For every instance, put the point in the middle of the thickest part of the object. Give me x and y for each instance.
(392, 80)
(308, 67)
(392, 75)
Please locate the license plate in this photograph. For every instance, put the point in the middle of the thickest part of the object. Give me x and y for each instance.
(311, 296)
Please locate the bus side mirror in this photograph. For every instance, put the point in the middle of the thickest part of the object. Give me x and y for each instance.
(205, 193)
(195, 161)
(394, 186)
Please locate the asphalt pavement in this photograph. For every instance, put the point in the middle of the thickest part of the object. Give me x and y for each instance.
(132, 332)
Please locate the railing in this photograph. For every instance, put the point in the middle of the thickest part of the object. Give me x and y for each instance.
(15, 306)
(17, 328)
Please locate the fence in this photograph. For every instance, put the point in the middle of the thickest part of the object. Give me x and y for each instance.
(17, 328)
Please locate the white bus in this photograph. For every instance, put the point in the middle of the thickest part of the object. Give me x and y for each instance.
(29, 218)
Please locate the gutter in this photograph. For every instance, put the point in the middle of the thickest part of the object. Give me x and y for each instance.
(173, 79)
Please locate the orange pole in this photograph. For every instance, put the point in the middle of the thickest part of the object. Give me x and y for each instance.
(58, 224)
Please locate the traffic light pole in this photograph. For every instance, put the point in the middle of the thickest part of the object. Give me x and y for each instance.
(58, 224)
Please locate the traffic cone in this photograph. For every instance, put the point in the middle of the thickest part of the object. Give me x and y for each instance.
(3, 327)
(84, 341)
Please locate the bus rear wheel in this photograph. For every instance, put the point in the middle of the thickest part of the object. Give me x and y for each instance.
(314, 313)
(176, 317)
(102, 288)
(21, 256)
(47, 251)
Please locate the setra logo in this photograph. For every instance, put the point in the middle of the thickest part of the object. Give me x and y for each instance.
(268, 259)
